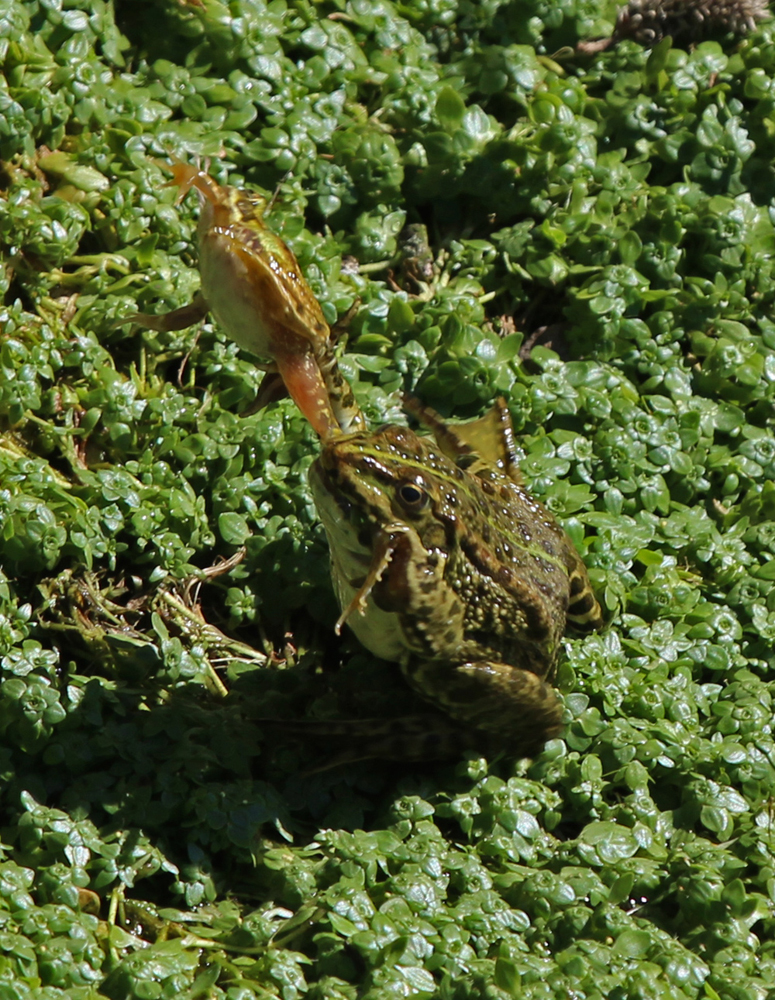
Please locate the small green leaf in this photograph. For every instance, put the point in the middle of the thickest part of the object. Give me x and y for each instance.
(632, 944)
(450, 109)
(233, 528)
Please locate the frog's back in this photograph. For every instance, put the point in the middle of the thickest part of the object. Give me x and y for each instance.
(512, 566)
(515, 572)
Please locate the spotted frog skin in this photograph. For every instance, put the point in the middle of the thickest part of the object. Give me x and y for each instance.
(255, 289)
(444, 563)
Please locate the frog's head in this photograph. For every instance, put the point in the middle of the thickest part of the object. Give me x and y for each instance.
(375, 479)
(379, 494)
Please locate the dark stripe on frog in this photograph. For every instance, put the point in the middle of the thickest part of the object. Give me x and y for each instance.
(377, 466)
(262, 243)
(584, 612)
(581, 606)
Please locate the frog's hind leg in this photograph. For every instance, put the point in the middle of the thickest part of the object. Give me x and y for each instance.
(341, 398)
(427, 737)
(511, 709)
(489, 707)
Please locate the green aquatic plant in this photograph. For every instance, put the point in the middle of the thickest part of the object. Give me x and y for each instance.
(598, 249)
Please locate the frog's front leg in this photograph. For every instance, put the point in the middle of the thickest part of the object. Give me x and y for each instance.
(513, 709)
(178, 319)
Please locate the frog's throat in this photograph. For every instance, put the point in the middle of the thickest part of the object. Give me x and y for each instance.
(385, 546)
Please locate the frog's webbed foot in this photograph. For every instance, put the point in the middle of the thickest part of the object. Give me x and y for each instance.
(474, 444)
(510, 708)
(178, 319)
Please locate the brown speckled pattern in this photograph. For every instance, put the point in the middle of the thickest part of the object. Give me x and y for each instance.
(480, 580)
(649, 21)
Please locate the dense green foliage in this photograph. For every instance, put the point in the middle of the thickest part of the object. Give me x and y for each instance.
(153, 844)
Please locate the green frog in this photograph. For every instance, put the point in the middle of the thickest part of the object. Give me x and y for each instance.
(444, 563)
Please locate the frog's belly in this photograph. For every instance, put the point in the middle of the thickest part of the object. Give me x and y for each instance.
(229, 290)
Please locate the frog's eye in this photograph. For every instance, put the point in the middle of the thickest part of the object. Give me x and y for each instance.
(413, 497)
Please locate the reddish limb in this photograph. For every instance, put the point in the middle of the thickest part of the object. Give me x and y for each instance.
(303, 379)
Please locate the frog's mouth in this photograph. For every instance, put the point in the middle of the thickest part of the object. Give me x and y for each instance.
(350, 535)
(357, 499)
(361, 548)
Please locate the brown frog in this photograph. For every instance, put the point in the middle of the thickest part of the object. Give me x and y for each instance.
(254, 287)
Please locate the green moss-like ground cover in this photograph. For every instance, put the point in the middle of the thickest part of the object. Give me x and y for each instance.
(154, 844)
